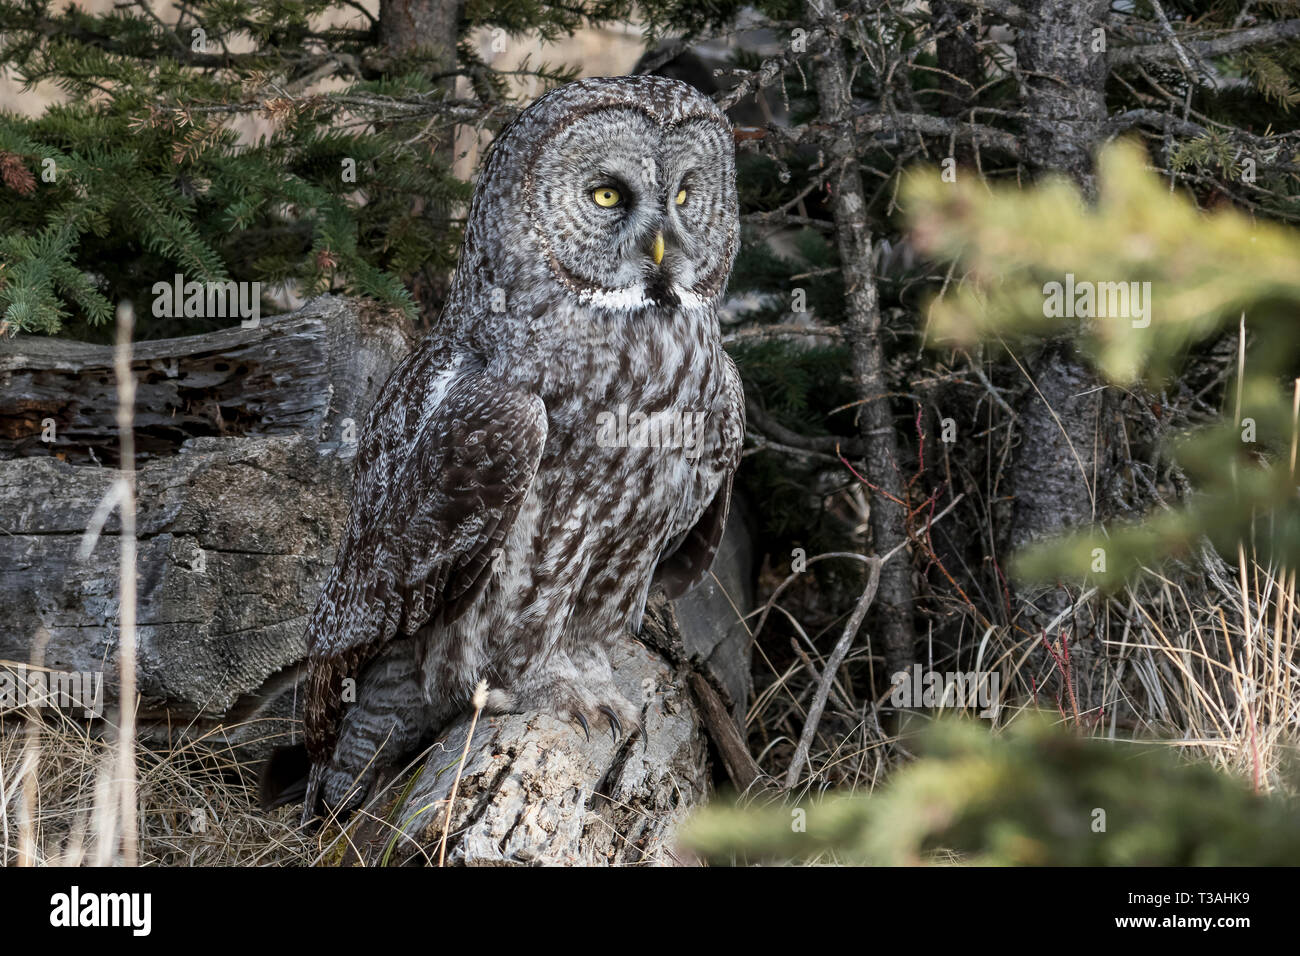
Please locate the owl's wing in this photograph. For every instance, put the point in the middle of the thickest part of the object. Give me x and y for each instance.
(688, 556)
(424, 527)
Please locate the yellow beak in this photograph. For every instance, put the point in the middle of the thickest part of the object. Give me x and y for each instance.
(658, 251)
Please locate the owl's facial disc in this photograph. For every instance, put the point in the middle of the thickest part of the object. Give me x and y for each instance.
(630, 213)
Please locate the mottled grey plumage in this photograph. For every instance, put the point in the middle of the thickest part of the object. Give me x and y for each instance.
(494, 531)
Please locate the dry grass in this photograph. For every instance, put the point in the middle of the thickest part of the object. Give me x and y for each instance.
(197, 804)
(1217, 669)
(1206, 662)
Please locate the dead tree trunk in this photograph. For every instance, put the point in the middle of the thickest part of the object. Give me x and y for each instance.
(244, 440)
(863, 330)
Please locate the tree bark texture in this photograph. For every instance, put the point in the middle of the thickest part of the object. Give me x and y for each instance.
(244, 443)
(1065, 434)
(894, 602)
(534, 791)
(430, 28)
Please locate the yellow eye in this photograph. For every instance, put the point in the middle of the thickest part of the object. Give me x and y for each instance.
(681, 197)
(606, 196)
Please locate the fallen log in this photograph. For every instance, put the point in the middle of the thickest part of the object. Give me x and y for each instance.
(245, 439)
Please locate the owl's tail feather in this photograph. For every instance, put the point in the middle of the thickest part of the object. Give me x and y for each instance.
(284, 777)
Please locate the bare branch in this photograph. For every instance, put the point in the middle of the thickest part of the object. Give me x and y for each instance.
(1230, 42)
(828, 673)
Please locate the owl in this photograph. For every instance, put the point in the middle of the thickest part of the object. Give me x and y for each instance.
(563, 439)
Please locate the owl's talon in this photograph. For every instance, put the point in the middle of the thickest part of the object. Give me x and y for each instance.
(583, 720)
(615, 725)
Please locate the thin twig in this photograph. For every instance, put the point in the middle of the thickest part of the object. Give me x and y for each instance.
(828, 673)
(127, 584)
(480, 701)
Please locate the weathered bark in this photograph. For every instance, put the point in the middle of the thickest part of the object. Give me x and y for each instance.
(894, 603)
(430, 26)
(1064, 431)
(533, 791)
(305, 373)
(237, 533)
(1063, 86)
(1059, 460)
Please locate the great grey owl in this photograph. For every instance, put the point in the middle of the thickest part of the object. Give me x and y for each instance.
(565, 436)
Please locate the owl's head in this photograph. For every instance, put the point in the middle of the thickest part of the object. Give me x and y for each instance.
(621, 190)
